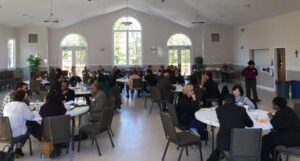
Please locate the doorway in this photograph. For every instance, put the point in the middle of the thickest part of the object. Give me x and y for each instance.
(180, 57)
(74, 57)
(281, 64)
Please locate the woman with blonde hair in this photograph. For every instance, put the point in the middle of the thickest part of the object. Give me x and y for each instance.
(186, 108)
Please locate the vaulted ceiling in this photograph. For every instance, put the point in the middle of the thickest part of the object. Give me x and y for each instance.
(17, 13)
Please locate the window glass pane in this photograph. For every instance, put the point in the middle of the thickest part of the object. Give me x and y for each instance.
(186, 62)
(120, 48)
(127, 23)
(135, 46)
(74, 40)
(11, 48)
(173, 57)
(80, 59)
(179, 40)
(67, 60)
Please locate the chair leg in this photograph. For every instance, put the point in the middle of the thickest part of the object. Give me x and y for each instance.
(93, 140)
(200, 151)
(145, 103)
(278, 156)
(79, 140)
(165, 152)
(187, 151)
(99, 152)
(287, 157)
(112, 143)
(180, 154)
(30, 146)
(111, 132)
(151, 107)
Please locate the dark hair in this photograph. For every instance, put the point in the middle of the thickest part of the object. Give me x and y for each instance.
(149, 71)
(251, 62)
(209, 74)
(19, 95)
(54, 96)
(279, 101)
(229, 98)
(19, 85)
(193, 79)
(240, 88)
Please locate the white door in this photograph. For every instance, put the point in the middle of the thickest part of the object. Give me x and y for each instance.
(74, 57)
(181, 57)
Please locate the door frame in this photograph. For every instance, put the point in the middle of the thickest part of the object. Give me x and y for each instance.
(179, 48)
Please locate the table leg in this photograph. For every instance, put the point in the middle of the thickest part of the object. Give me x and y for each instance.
(72, 132)
(212, 128)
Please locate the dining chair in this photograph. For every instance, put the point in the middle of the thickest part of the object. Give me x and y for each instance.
(6, 135)
(288, 151)
(181, 139)
(94, 129)
(297, 109)
(156, 98)
(250, 140)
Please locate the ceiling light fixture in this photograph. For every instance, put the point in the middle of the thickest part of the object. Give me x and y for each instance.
(127, 22)
(52, 18)
(197, 19)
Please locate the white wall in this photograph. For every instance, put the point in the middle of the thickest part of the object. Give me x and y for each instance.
(98, 32)
(24, 48)
(5, 34)
(218, 52)
(281, 31)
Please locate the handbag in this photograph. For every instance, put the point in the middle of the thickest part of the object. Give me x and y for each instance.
(46, 147)
(7, 155)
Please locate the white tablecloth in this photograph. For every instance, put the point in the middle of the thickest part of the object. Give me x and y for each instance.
(43, 82)
(125, 80)
(209, 117)
(178, 88)
(81, 91)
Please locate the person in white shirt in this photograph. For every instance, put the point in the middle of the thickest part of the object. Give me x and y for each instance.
(19, 113)
(240, 98)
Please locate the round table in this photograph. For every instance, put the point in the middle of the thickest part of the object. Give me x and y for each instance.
(122, 80)
(178, 89)
(43, 82)
(209, 117)
(80, 91)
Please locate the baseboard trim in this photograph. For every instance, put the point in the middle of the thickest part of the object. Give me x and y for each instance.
(266, 88)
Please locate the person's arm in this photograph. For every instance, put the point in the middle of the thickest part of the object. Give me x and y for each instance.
(248, 102)
(255, 71)
(27, 114)
(247, 120)
(278, 121)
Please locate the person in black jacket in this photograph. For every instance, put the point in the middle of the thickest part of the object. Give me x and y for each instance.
(186, 108)
(177, 78)
(165, 87)
(211, 89)
(286, 129)
(230, 116)
(68, 94)
(150, 78)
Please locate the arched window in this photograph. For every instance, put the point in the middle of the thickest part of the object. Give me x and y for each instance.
(127, 42)
(180, 49)
(74, 53)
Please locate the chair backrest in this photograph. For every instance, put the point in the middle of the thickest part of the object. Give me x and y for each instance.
(107, 117)
(59, 127)
(5, 130)
(168, 126)
(173, 114)
(155, 94)
(297, 109)
(250, 140)
(137, 83)
(35, 85)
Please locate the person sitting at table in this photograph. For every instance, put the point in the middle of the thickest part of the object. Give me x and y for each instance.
(211, 89)
(116, 75)
(53, 107)
(165, 86)
(150, 78)
(230, 116)
(98, 101)
(177, 78)
(94, 77)
(103, 81)
(286, 129)
(134, 75)
(240, 98)
(19, 113)
(74, 79)
(67, 93)
(186, 108)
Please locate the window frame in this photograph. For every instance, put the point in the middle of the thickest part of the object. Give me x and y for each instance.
(127, 43)
(14, 53)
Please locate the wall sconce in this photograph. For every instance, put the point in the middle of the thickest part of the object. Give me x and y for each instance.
(296, 53)
(153, 49)
(102, 50)
(45, 61)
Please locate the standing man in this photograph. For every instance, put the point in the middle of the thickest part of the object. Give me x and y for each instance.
(250, 73)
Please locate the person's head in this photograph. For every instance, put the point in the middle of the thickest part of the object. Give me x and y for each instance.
(279, 102)
(149, 72)
(177, 72)
(251, 63)
(21, 86)
(54, 96)
(95, 88)
(65, 85)
(94, 74)
(19, 95)
(188, 90)
(208, 74)
(229, 99)
(237, 91)
(167, 75)
(162, 67)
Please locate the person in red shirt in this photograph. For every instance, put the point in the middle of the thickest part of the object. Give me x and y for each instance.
(250, 73)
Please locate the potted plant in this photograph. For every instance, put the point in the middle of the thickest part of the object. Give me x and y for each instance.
(34, 62)
(198, 66)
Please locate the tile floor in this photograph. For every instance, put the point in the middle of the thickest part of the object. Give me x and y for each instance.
(138, 137)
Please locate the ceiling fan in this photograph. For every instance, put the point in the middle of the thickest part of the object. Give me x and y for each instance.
(127, 22)
(52, 18)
